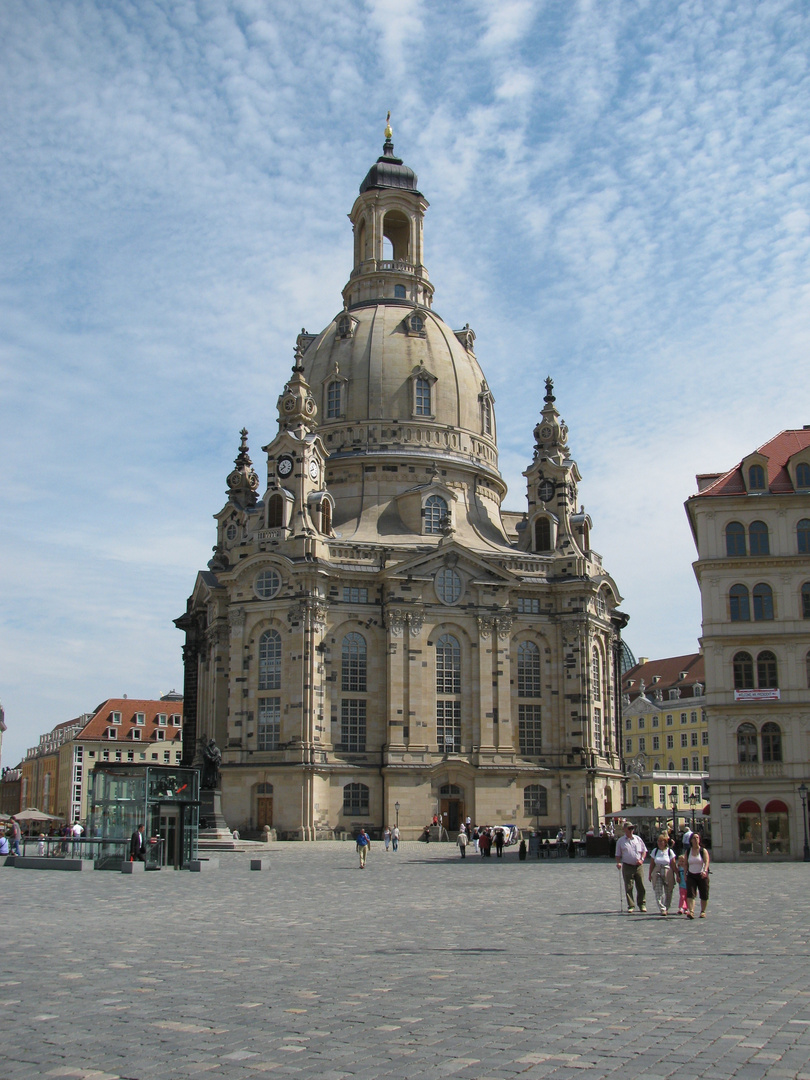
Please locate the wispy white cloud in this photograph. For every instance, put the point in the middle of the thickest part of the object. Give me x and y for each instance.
(619, 198)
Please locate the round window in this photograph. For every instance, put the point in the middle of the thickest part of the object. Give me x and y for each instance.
(417, 324)
(267, 584)
(448, 585)
(230, 532)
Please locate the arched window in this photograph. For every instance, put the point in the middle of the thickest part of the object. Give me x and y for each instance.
(264, 789)
(803, 536)
(355, 799)
(422, 406)
(535, 801)
(275, 512)
(803, 475)
(528, 670)
(747, 744)
(268, 723)
(333, 400)
(807, 668)
(353, 664)
(486, 416)
(542, 534)
(763, 603)
(326, 517)
(738, 603)
(399, 292)
(767, 678)
(435, 514)
(270, 660)
(743, 671)
(596, 675)
(735, 539)
(448, 585)
(758, 543)
(771, 742)
(756, 478)
(448, 682)
(448, 665)
(749, 828)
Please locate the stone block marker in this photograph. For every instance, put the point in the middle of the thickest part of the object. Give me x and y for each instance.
(202, 866)
(40, 862)
(132, 867)
(255, 864)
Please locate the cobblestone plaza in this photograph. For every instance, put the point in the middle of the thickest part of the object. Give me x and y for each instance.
(423, 965)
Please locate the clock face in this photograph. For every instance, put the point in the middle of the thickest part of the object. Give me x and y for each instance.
(546, 490)
(314, 471)
(284, 466)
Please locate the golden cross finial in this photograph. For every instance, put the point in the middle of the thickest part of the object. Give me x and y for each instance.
(388, 132)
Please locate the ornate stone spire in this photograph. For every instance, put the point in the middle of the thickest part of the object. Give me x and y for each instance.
(243, 481)
(551, 433)
(296, 405)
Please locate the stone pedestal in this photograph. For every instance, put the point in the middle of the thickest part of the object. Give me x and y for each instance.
(216, 833)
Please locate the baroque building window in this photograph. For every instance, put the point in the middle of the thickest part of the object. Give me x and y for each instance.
(530, 730)
(803, 536)
(535, 800)
(771, 742)
(756, 478)
(355, 799)
(270, 660)
(763, 603)
(448, 693)
(528, 667)
(747, 744)
(735, 539)
(743, 667)
(739, 605)
(268, 730)
(435, 514)
(758, 539)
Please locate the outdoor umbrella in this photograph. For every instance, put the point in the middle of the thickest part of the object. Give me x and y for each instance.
(32, 814)
(583, 816)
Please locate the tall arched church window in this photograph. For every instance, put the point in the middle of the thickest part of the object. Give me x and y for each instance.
(354, 661)
(270, 660)
(803, 475)
(739, 605)
(596, 675)
(806, 600)
(268, 723)
(758, 540)
(771, 742)
(542, 534)
(756, 478)
(803, 536)
(326, 517)
(422, 402)
(275, 512)
(528, 666)
(735, 539)
(743, 671)
(767, 674)
(448, 694)
(486, 415)
(333, 402)
(435, 514)
(763, 603)
(747, 744)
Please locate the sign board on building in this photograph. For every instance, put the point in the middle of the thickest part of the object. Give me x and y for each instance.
(757, 695)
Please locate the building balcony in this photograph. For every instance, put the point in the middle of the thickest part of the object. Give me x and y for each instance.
(760, 769)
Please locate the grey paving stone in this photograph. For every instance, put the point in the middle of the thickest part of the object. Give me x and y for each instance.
(423, 966)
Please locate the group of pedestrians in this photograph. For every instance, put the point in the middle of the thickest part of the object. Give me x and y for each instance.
(690, 871)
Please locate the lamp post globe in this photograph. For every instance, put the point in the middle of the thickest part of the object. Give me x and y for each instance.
(396, 811)
(803, 793)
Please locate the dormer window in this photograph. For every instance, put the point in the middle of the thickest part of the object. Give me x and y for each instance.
(112, 733)
(756, 478)
(135, 734)
(436, 514)
(333, 400)
(803, 475)
(115, 718)
(414, 324)
(345, 326)
(423, 402)
(139, 718)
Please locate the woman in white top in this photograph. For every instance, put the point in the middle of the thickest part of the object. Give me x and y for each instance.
(697, 876)
(662, 873)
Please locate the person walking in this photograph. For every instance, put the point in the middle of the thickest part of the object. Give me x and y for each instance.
(387, 836)
(499, 839)
(662, 872)
(631, 851)
(137, 845)
(363, 847)
(681, 872)
(462, 842)
(395, 838)
(697, 876)
(16, 836)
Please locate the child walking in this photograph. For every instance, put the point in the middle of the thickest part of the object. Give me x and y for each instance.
(681, 863)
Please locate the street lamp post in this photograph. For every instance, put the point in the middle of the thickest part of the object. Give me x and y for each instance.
(396, 811)
(803, 793)
(693, 801)
(673, 798)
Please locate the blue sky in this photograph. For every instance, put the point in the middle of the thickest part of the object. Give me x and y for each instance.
(619, 196)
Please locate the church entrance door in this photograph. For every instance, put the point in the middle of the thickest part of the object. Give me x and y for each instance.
(452, 814)
(264, 811)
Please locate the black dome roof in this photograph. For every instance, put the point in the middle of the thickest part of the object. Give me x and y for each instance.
(389, 172)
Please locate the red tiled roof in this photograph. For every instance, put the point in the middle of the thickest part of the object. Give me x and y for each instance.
(96, 726)
(667, 672)
(779, 450)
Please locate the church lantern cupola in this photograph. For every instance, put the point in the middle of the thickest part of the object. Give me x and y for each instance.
(243, 481)
(388, 217)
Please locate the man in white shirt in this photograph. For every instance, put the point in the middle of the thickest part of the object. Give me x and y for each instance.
(631, 851)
